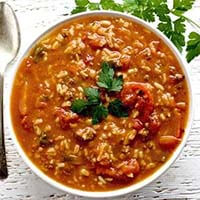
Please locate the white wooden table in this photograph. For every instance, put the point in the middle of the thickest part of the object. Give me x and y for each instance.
(182, 180)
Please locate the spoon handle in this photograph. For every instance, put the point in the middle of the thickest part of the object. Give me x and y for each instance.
(3, 164)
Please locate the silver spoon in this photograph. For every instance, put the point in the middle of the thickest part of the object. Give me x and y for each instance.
(9, 47)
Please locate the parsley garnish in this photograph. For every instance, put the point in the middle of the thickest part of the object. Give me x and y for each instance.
(79, 105)
(92, 95)
(117, 109)
(107, 80)
(99, 113)
(92, 105)
(84, 107)
(148, 10)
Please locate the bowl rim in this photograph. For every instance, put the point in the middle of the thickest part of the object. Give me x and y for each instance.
(90, 194)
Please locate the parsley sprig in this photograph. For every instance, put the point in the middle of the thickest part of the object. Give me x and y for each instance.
(150, 10)
(92, 105)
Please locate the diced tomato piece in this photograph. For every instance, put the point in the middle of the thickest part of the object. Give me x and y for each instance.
(96, 41)
(176, 78)
(66, 117)
(88, 59)
(168, 141)
(137, 124)
(122, 173)
(131, 166)
(125, 61)
(26, 123)
(154, 124)
(84, 36)
(111, 172)
(137, 95)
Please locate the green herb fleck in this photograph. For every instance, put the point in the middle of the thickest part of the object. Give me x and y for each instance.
(44, 139)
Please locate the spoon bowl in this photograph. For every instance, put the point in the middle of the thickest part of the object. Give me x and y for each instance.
(9, 35)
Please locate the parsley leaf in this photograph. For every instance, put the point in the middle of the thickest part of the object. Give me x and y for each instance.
(79, 105)
(141, 9)
(78, 10)
(178, 37)
(81, 6)
(93, 6)
(162, 12)
(117, 84)
(117, 109)
(106, 76)
(181, 6)
(193, 46)
(174, 30)
(99, 113)
(81, 3)
(92, 95)
(107, 80)
(111, 5)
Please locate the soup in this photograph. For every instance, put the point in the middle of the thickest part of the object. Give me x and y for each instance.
(99, 103)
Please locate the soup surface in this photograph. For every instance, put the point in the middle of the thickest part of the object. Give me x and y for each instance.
(99, 103)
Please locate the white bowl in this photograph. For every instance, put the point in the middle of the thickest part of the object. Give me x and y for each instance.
(7, 115)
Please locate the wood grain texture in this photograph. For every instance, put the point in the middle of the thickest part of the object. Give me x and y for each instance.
(182, 180)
